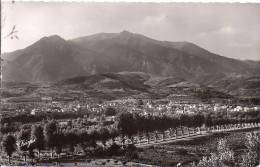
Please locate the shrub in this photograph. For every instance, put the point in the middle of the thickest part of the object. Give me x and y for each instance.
(212, 161)
(99, 151)
(181, 151)
(226, 155)
(249, 159)
(131, 154)
(110, 111)
(114, 149)
(131, 147)
(116, 161)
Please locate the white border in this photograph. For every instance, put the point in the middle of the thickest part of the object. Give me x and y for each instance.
(153, 1)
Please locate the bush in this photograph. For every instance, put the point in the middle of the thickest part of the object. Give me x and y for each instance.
(181, 151)
(116, 161)
(106, 123)
(110, 111)
(99, 151)
(131, 154)
(114, 149)
(131, 147)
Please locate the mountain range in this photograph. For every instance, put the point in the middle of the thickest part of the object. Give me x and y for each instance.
(53, 58)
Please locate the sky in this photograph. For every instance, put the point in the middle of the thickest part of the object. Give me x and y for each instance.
(231, 30)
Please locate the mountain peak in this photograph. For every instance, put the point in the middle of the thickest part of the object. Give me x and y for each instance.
(52, 38)
(51, 41)
(125, 32)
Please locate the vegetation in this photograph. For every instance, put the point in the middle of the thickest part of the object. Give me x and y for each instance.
(224, 156)
(103, 140)
(9, 146)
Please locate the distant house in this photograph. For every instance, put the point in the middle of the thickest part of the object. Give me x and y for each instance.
(46, 98)
(33, 112)
(63, 123)
(110, 118)
(57, 109)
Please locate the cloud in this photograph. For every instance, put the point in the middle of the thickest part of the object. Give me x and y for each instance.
(230, 30)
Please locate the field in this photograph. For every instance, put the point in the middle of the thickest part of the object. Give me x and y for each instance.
(191, 150)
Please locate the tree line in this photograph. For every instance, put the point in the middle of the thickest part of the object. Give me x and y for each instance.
(51, 137)
(129, 124)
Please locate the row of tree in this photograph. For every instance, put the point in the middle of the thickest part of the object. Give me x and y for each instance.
(51, 137)
(130, 124)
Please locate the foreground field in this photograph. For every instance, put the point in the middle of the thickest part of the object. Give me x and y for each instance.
(192, 149)
(182, 151)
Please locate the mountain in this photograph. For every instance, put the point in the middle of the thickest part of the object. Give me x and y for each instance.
(49, 59)
(53, 59)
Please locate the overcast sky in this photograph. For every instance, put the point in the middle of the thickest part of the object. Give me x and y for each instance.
(231, 30)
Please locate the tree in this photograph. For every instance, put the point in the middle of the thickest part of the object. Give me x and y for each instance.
(140, 102)
(198, 120)
(9, 145)
(31, 154)
(110, 111)
(251, 157)
(23, 139)
(226, 155)
(208, 120)
(185, 120)
(253, 142)
(24, 135)
(148, 126)
(72, 139)
(69, 124)
(103, 135)
(50, 129)
(93, 136)
(113, 133)
(131, 152)
(38, 138)
(83, 136)
(59, 137)
(126, 124)
(114, 149)
(212, 161)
